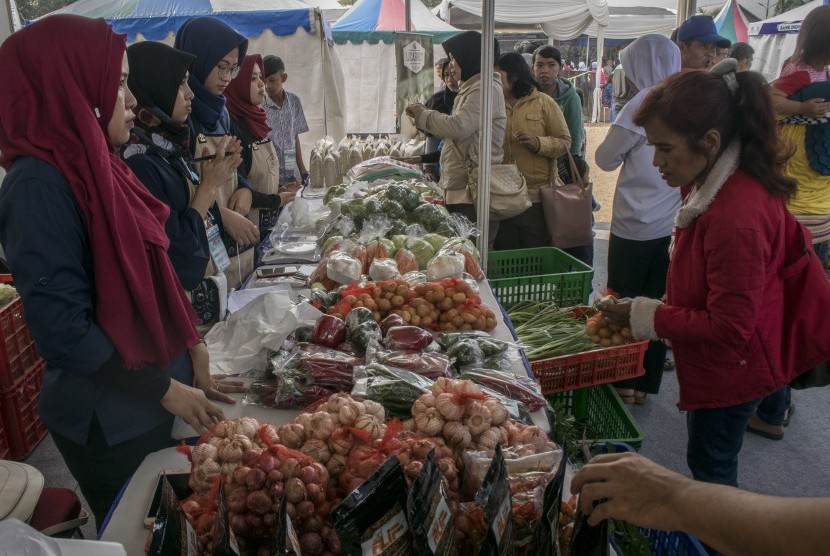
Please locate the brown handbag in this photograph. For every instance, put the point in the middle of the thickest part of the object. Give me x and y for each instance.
(567, 208)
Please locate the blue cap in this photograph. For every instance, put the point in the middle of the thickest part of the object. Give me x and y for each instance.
(701, 28)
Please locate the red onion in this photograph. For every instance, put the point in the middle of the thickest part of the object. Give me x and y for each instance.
(290, 467)
(314, 523)
(255, 479)
(333, 541)
(295, 490)
(291, 510)
(274, 476)
(316, 493)
(191, 507)
(254, 521)
(268, 463)
(237, 523)
(250, 457)
(277, 490)
(237, 499)
(259, 502)
(309, 474)
(311, 543)
(240, 474)
(270, 520)
(205, 521)
(305, 509)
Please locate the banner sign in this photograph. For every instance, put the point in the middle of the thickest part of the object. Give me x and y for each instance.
(416, 77)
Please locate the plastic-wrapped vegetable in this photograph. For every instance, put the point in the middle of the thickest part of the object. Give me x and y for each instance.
(523, 389)
(390, 321)
(330, 170)
(329, 331)
(445, 264)
(343, 268)
(429, 513)
(466, 353)
(406, 261)
(395, 389)
(412, 338)
(384, 269)
(374, 515)
(430, 365)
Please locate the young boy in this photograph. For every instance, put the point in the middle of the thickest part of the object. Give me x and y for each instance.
(287, 121)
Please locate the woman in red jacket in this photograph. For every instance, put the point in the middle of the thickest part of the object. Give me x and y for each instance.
(725, 314)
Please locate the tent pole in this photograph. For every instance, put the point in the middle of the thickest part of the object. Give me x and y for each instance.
(408, 9)
(595, 113)
(486, 128)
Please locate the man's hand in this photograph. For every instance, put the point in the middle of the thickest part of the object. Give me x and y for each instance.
(240, 228)
(240, 201)
(629, 487)
(528, 140)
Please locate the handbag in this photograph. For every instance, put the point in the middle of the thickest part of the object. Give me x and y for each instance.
(805, 354)
(567, 208)
(508, 189)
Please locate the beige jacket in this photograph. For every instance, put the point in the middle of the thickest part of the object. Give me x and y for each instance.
(460, 133)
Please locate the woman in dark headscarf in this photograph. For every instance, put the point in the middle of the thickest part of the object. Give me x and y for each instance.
(86, 243)
(260, 164)
(219, 52)
(460, 129)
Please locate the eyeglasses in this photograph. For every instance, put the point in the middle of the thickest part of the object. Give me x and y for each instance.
(226, 71)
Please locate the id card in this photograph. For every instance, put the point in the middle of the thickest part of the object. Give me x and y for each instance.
(290, 160)
(217, 247)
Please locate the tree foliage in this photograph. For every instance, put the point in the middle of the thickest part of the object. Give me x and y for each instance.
(31, 9)
(782, 6)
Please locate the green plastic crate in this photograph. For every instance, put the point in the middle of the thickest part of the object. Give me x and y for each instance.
(600, 412)
(539, 274)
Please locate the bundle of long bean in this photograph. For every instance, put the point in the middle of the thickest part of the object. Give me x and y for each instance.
(546, 331)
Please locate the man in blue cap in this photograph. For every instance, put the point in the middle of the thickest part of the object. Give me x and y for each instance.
(698, 40)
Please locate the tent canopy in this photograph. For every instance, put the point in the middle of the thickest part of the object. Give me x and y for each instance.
(624, 19)
(378, 20)
(155, 19)
(774, 38)
(731, 23)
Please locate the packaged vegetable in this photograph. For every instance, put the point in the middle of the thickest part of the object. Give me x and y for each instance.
(372, 519)
(358, 316)
(384, 269)
(395, 389)
(436, 240)
(364, 333)
(406, 261)
(445, 264)
(376, 250)
(430, 365)
(429, 512)
(523, 389)
(390, 321)
(422, 251)
(329, 331)
(343, 268)
(466, 353)
(412, 338)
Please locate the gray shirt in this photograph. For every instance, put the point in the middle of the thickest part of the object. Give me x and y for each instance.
(286, 122)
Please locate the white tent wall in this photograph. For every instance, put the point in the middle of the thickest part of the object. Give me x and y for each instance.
(314, 74)
(774, 38)
(6, 28)
(370, 85)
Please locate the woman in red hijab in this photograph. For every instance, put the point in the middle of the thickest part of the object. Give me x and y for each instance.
(86, 244)
(260, 164)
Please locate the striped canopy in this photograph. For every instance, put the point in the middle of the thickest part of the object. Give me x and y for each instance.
(378, 20)
(155, 19)
(731, 23)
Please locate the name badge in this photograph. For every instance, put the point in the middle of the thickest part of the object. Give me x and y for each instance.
(290, 162)
(217, 247)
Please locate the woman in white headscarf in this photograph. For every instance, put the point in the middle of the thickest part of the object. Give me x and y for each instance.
(644, 205)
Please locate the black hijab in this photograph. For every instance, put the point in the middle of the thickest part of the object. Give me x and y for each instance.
(156, 70)
(209, 39)
(466, 49)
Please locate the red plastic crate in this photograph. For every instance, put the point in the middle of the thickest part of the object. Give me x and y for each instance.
(569, 372)
(19, 409)
(17, 348)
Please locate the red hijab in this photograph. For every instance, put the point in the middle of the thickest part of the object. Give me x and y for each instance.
(239, 104)
(60, 82)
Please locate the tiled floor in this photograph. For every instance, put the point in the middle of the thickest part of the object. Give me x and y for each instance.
(795, 466)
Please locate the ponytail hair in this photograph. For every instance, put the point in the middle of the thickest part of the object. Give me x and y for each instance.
(693, 102)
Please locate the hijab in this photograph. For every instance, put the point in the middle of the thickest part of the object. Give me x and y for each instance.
(55, 105)
(647, 61)
(156, 71)
(238, 94)
(209, 40)
(466, 49)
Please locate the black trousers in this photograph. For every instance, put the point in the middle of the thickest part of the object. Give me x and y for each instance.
(524, 231)
(639, 268)
(101, 470)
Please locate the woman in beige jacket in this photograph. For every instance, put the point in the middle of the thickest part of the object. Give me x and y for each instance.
(460, 130)
(536, 135)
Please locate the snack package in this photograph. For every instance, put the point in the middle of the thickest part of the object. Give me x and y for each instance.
(166, 535)
(429, 513)
(494, 497)
(546, 535)
(371, 520)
